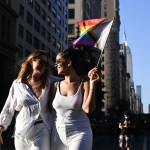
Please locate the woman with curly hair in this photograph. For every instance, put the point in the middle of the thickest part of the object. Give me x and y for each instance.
(73, 98)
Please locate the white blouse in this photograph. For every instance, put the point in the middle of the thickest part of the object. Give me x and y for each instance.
(22, 99)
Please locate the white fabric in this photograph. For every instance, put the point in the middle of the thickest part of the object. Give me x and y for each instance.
(69, 109)
(22, 99)
(72, 130)
(40, 139)
(71, 138)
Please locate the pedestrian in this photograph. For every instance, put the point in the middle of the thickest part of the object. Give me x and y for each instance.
(29, 95)
(74, 97)
(125, 127)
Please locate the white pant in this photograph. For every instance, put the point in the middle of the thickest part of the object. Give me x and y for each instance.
(40, 141)
(71, 138)
(124, 140)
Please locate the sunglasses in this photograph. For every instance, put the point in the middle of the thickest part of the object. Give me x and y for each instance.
(42, 62)
(58, 62)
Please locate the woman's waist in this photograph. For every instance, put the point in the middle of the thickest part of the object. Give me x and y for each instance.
(64, 123)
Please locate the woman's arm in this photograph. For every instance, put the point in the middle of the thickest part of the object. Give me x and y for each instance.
(8, 110)
(89, 103)
(52, 93)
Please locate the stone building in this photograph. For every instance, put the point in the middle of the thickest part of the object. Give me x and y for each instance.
(110, 59)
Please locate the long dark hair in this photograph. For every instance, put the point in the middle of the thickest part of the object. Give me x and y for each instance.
(81, 57)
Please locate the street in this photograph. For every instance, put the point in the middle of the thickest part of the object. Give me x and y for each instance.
(110, 142)
(107, 142)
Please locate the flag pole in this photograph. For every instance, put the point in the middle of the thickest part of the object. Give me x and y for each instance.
(104, 45)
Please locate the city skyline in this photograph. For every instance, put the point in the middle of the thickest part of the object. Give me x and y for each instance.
(132, 14)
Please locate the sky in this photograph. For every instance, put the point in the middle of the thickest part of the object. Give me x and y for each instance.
(135, 19)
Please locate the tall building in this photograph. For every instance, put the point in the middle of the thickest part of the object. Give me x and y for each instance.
(42, 24)
(110, 60)
(127, 91)
(8, 49)
(129, 63)
(26, 26)
(139, 98)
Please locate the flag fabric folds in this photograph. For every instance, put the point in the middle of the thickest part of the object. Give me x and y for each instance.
(93, 32)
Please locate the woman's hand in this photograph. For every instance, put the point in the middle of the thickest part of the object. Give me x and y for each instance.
(94, 76)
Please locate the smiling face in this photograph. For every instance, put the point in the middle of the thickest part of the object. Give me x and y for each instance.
(61, 65)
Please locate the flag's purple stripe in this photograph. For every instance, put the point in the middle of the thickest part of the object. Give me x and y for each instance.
(87, 42)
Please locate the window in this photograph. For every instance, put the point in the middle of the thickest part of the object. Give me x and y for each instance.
(36, 43)
(71, 1)
(105, 14)
(44, 2)
(66, 39)
(28, 37)
(36, 25)
(66, 14)
(58, 32)
(58, 46)
(65, 26)
(54, 12)
(20, 51)
(43, 31)
(49, 5)
(66, 2)
(37, 8)
(53, 57)
(29, 18)
(21, 11)
(53, 41)
(71, 13)
(71, 29)
(27, 53)
(59, 18)
(59, 5)
(49, 21)
(48, 51)
(53, 27)
(48, 37)
(20, 30)
(30, 3)
(62, 36)
(43, 15)
(42, 46)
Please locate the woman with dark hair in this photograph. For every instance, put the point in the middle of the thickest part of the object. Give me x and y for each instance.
(29, 95)
(73, 98)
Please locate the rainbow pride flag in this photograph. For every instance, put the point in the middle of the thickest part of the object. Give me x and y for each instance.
(86, 24)
(93, 32)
